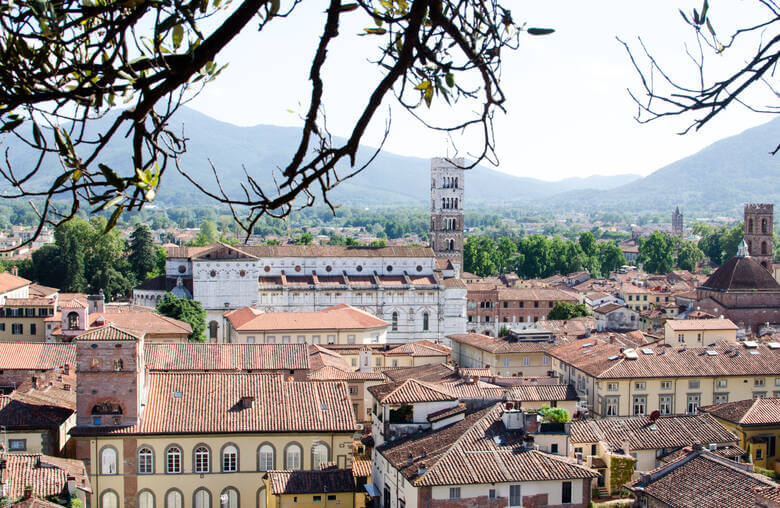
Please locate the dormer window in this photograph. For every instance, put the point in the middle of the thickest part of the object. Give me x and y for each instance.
(118, 365)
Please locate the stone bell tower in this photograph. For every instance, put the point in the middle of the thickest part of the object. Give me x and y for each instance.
(758, 232)
(447, 185)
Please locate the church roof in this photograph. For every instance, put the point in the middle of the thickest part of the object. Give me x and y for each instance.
(741, 273)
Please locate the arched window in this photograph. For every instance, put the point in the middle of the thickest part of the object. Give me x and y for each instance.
(444, 202)
(109, 499)
(319, 455)
(201, 498)
(145, 499)
(229, 459)
(750, 225)
(456, 203)
(73, 321)
(229, 498)
(107, 408)
(763, 226)
(265, 457)
(201, 459)
(395, 322)
(108, 460)
(764, 249)
(426, 323)
(213, 329)
(292, 456)
(145, 461)
(261, 501)
(174, 499)
(173, 460)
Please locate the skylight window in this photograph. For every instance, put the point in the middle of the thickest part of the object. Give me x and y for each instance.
(177, 395)
(712, 352)
(647, 351)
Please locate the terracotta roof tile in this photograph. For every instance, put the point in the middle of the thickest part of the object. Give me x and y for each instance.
(760, 411)
(701, 480)
(642, 434)
(47, 475)
(110, 332)
(741, 273)
(311, 482)
(10, 282)
(361, 467)
(210, 402)
(420, 348)
(428, 373)
(410, 391)
(36, 356)
(542, 392)
(476, 450)
(225, 357)
(664, 361)
(33, 301)
(339, 318)
(701, 324)
(288, 251)
(502, 345)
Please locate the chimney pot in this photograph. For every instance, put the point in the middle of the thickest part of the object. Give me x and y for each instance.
(28, 492)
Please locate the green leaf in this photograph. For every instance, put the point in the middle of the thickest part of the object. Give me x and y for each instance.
(348, 7)
(428, 96)
(37, 136)
(111, 202)
(540, 31)
(704, 10)
(375, 31)
(449, 79)
(709, 26)
(684, 16)
(114, 217)
(11, 125)
(111, 177)
(274, 10)
(178, 35)
(425, 85)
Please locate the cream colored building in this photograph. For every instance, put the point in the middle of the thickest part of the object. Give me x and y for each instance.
(699, 332)
(197, 438)
(504, 357)
(613, 380)
(340, 324)
(313, 489)
(412, 354)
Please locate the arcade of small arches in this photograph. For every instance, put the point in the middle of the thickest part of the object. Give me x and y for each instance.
(450, 182)
(449, 203)
(764, 226)
(450, 224)
(426, 320)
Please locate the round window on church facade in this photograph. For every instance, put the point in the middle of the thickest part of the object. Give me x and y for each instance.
(182, 268)
(267, 268)
(359, 268)
(213, 273)
(389, 268)
(297, 268)
(419, 268)
(242, 273)
(328, 268)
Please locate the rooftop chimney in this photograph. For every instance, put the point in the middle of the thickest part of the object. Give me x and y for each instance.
(96, 303)
(28, 490)
(66, 369)
(247, 401)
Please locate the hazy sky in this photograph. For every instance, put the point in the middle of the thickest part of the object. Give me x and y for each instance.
(568, 110)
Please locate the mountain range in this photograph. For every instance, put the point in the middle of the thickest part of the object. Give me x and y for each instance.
(719, 177)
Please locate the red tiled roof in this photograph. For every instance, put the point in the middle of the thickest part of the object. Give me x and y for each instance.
(311, 482)
(476, 450)
(141, 320)
(420, 348)
(760, 411)
(502, 345)
(701, 324)
(361, 467)
(443, 414)
(47, 475)
(45, 291)
(337, 318)
(642, 434)
(305, 251)
(701, 480)
(664, 361)
(110, 332)
(433, 373)
(225, 357)
(10, 282)
(210, 403)
(534, 294)
(33, 301)
(36, 356)
(410, 391)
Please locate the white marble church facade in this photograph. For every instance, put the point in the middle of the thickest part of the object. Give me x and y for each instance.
(397, 284)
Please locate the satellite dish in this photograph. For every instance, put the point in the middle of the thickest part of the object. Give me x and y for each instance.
(655, 415)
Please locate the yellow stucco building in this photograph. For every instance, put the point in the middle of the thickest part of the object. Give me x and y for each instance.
(699, 332)
(503, 356)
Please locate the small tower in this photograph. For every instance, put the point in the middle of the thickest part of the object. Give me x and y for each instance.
(110, 369)
(677, 223)
(758, 232)
(447, 183)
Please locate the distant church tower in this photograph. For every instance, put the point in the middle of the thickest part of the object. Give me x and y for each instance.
(758, 232)
(677, 223)
(447, 182)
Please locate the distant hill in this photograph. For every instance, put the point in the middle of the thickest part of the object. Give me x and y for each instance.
(390, 180)
(717, 179)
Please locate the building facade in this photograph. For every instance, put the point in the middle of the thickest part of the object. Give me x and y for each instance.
(759, 218)
(490, 309)
(447, 184)
(396, 284)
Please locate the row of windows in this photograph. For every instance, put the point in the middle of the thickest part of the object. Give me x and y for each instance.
(174, 499)
(26, 312)
(693, 384)
(201, 461)
(18, 328)
(394, 321)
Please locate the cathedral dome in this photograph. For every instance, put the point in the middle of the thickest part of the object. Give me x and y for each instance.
(741, 273)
